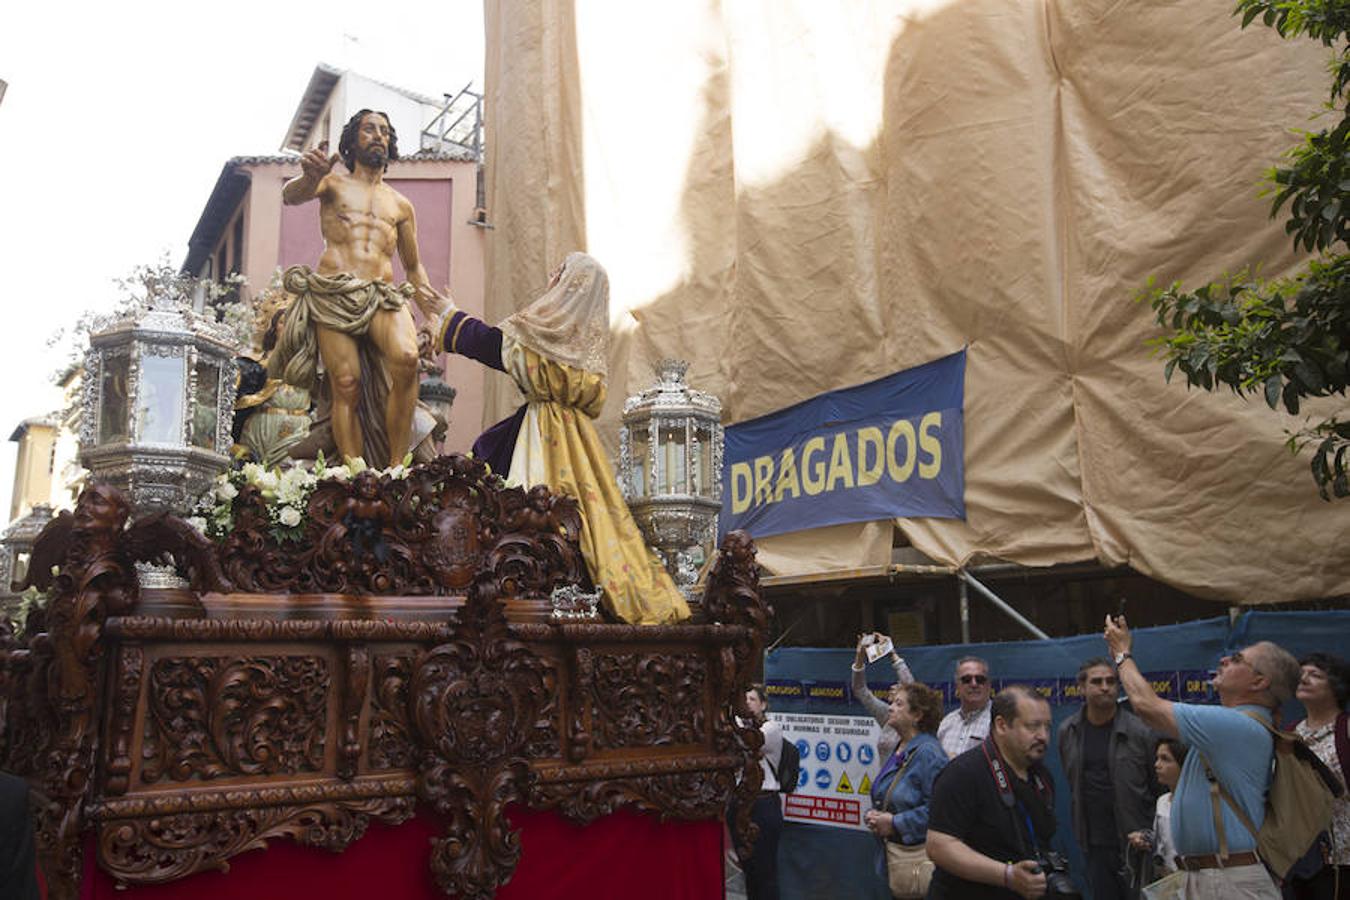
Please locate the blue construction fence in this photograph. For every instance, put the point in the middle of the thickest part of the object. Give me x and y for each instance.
(819, 862)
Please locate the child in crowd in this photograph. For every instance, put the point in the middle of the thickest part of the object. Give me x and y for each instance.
(1167, 759)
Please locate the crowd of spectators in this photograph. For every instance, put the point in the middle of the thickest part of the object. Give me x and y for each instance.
(963, 805)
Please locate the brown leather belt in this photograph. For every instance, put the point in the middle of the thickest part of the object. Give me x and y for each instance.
(1211, 861)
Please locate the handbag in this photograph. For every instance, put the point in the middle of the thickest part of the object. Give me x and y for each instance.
(1169, 887)
(908, 868)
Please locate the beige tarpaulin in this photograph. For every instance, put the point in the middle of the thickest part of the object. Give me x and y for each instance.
(798, 196)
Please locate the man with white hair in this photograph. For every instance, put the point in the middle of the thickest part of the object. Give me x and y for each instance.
(968, 725)
(1229, 743)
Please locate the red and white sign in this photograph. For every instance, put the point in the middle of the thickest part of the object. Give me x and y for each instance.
(838, 766)
(823, 809)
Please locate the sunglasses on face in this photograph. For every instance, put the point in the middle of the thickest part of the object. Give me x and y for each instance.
(974, 679)
(1103, 681)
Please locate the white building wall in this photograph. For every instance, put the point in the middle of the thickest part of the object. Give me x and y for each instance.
(353, 92)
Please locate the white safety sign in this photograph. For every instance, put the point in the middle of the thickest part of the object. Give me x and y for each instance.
(839, 763)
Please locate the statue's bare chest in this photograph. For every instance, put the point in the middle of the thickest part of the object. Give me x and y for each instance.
(366, 207)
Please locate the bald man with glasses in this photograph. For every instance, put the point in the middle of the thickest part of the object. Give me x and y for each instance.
(1107, 754)
(1229, 741)
(968, 725)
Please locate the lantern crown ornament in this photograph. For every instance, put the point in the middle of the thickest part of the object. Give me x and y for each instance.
(158, 401)
(670, 467)
(16, 543)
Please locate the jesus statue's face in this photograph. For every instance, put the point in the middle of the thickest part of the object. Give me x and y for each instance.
(372, 140)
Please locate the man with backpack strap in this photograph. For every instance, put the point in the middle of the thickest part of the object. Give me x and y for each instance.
(789, 768)
(1234, 743)
(760, 863)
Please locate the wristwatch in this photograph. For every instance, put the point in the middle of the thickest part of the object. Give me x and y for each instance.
(1122, 656)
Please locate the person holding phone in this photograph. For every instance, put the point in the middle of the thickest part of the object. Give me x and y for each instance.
(877, 708)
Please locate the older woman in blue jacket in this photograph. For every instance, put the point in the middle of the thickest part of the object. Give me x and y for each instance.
(904, 787)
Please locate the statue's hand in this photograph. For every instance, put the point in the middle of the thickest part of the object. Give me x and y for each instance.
(316, 162)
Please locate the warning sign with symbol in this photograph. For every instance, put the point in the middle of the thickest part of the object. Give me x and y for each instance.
(841, 760)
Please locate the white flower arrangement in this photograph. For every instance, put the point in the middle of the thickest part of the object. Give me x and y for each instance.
(286, 494)
(30, 600)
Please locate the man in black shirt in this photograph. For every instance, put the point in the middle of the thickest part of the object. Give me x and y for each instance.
(1107, 754)
(983, 839)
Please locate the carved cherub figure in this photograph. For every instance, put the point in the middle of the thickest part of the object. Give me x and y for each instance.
(366, 514)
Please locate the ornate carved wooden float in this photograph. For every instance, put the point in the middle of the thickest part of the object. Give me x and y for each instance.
(404, 650)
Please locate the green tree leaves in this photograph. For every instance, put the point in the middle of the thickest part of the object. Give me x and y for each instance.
(1287, 339)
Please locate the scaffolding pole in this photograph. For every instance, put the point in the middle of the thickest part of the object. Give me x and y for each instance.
(965, 610)
(967, 578)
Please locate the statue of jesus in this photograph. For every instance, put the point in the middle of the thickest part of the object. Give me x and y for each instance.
(348, 312)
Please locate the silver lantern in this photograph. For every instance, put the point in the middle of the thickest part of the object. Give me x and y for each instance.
(16, 544)
(440, 399)
(670, 468)
(157, 404)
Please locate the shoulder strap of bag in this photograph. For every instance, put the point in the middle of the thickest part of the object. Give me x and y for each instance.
(778, 768)
(898, 775)
(1217, 790)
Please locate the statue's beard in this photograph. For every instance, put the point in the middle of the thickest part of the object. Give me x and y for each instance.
(373, 156)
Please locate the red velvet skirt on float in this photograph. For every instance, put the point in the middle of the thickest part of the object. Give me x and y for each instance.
(626, 854)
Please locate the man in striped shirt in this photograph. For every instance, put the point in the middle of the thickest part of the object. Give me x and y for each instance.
(967, 725)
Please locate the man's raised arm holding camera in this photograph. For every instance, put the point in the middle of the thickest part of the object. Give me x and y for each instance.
(1231, 740)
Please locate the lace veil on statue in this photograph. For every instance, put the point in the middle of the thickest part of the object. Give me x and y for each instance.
(569, 323)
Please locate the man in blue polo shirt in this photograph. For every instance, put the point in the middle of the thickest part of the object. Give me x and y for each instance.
(1253, 681)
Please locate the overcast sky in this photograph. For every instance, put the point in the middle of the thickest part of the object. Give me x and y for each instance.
(118, 118)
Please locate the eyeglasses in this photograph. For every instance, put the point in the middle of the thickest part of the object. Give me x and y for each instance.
(1237, 657)
(1103, 680)
(974, 679)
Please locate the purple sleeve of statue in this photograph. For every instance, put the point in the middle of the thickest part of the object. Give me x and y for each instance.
(473, 338)
(496, 445)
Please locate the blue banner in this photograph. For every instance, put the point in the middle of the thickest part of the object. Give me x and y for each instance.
(894, 447)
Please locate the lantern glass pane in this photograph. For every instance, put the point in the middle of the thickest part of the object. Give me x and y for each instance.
(672, 458)
(204, 412)
(160, 400)
(703, 465)
(112, 410)
(639, 447)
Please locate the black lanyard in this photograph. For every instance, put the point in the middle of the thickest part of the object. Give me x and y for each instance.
(1004, 785)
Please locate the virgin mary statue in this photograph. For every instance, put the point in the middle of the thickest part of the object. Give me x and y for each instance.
(556, 351)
